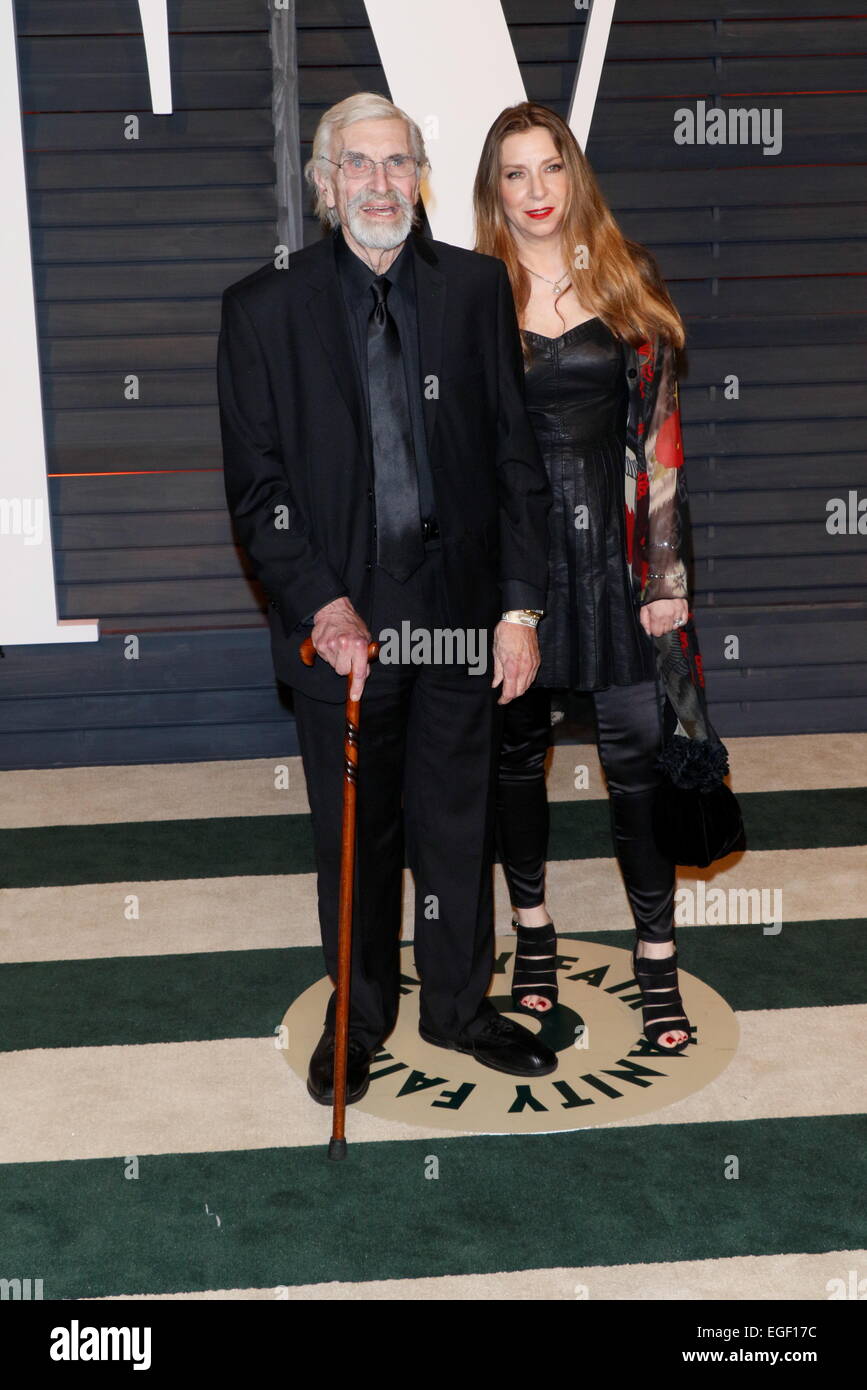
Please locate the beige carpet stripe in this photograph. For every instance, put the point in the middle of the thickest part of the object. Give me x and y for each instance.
(99, 795)
(784, 763)
(732, 1279)
(72, 1103)
(86, 921)
(152, 792)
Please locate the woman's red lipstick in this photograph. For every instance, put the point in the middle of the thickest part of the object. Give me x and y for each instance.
(539, 212)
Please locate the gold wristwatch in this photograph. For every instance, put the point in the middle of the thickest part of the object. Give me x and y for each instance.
(527, 617)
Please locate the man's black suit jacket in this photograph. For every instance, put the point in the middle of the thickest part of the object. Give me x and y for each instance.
(297, 457)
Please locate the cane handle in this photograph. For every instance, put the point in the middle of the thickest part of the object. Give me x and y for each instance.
(308, 651)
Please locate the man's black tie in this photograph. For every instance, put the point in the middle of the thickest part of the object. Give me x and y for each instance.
(400, 546)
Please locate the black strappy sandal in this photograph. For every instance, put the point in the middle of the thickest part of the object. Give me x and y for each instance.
(535, 976)
(657, 980)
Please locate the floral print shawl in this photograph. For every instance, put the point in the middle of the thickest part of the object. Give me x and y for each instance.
(657, 524)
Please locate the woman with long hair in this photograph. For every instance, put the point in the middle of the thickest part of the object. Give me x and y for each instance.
(584, 294)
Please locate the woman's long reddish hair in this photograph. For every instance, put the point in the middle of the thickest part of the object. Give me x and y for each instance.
(621, 282)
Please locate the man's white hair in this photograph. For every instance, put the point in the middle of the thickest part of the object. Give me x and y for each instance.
(362, 106)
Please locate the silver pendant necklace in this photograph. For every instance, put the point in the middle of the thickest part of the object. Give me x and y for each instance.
(559, 285)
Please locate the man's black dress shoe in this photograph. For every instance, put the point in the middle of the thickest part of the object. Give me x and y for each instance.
(320, 1077)
(503, 1045)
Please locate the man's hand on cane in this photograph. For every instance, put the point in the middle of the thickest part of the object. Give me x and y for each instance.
(341, 638)
(516, 659)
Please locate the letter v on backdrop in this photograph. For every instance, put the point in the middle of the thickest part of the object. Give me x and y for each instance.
(451, 65)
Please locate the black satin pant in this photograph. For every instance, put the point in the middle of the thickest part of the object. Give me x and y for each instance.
(628, 737)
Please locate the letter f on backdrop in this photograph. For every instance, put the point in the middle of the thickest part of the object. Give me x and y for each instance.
(450, 64)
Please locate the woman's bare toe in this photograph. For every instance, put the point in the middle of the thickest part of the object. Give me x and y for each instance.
(537, 1002)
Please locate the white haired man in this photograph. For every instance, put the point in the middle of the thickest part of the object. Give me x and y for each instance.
(380, 469)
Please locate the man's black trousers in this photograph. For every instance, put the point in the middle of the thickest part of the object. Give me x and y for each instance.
(426, 744)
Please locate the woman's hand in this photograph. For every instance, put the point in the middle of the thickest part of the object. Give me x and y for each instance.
(662, 615)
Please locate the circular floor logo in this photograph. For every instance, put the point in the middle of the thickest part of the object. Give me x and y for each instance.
(607, 1069)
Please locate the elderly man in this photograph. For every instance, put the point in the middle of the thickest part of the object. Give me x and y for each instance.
(381, 471)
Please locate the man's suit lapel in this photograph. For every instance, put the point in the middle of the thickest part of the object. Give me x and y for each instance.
(430, 286)
(328, 317)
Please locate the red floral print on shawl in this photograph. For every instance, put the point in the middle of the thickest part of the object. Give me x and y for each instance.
(669, 441)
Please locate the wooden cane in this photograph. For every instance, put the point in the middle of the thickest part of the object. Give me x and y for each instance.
(337, 1145)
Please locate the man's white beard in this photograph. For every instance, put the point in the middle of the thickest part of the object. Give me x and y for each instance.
(369, 231)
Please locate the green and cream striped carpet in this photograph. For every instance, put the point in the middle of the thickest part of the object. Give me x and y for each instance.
(157, 922)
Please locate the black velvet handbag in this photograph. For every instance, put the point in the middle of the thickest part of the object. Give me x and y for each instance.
(696, 817)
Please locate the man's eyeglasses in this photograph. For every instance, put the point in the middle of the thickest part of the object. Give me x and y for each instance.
(357, 166)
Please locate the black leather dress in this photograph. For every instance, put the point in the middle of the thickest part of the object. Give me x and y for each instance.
(576, 397)
(590, 638)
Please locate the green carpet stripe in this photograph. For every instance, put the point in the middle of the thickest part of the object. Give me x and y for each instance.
(291, 1217)
(45, 856)
(243, 994)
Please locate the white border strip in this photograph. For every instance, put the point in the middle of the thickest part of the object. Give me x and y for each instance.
(28, 605)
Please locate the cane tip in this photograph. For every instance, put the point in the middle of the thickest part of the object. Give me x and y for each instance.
(337, 1148)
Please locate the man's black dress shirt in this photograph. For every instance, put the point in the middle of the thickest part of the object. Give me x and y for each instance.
(356, 279)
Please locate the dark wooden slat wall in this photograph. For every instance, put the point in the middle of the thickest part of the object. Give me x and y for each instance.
(765, 257)
(134, 241)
